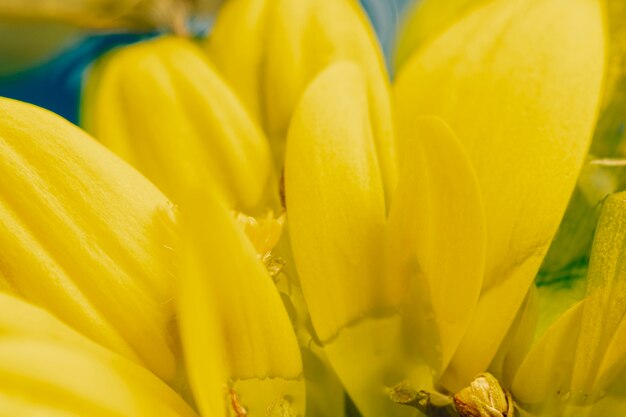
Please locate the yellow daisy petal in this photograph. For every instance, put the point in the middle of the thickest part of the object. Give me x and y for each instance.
(29, 382)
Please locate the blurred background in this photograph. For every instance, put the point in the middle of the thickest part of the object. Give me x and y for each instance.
(42, 59)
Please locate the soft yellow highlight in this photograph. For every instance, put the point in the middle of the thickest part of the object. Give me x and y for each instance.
(335, 203)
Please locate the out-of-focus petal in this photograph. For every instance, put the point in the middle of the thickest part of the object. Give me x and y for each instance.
(100, 14)
(37, 375)
(283, 45)
(163, 108)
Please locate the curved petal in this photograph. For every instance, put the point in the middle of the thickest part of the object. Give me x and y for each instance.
(424, 21)
(597, 356)
(436, 236)
(144, 14)
(161, 107)
(336, 216)
(542, 379)
(40, 375)
(235, 330)
(335, 203)
(519, 82)
(79, 235)
(288, 43)
(44, 380)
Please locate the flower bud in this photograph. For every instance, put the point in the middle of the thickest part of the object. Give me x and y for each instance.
(484, 397)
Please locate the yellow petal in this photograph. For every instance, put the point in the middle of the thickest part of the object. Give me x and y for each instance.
(38, 326)
(336, 216)
(604, 303)
(237, 47)
(335, 203)
(437, 238)
(235, 330)
(519, 83)
(286, 43)
(35, 322)
(543, 377)
(163, 108)
(518, 341)
(79, 235)
(425, 21)
(36, 374)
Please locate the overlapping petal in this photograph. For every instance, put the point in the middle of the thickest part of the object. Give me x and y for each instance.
(287, 43)
(163, 108)
(437, 238)
(519, 82)
(47, 368)
(79, 236)
(239, 345)
(336, 214)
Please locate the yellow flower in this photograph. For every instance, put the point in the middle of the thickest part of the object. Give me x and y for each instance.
(88, 238)
(416, 218)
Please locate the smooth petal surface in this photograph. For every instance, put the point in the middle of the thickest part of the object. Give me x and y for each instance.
(79, 235)
(235, 330)
(436, 237)
(335, 203)
(336, 215)
(163, 108)
(285, 44)
(519, 82)
(237, 46)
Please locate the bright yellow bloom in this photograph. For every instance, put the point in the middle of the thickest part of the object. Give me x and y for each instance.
(415, 220)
